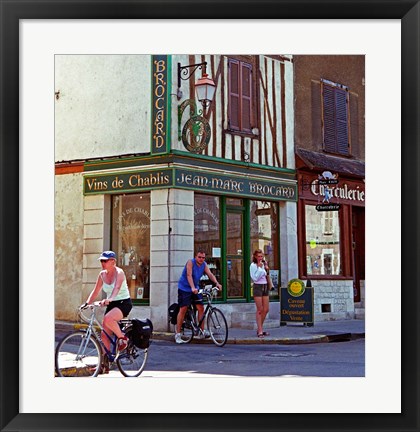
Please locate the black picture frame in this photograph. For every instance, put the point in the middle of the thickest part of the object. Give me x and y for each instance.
(11, 13)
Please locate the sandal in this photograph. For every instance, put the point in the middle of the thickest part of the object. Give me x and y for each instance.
(260, 335)
(122, 343)
(265, 333)
(104, 368)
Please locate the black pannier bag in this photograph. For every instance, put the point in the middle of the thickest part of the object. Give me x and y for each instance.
(173, 312)
(142, 332)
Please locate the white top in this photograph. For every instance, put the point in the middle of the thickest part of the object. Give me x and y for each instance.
(258, 274)
(123, 293)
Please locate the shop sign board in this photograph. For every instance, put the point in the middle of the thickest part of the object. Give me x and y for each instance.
(297, 303)
(326, 179)
(160, 94)
(141, 180)
(235, 185)
(134, 181)
(327, 207)
(331, 191)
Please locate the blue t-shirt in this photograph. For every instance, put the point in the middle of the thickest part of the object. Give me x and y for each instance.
(197, 272)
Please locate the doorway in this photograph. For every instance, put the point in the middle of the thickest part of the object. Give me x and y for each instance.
(358, 246)
(235, 253)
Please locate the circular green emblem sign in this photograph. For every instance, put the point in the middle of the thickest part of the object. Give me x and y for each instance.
(295, 287)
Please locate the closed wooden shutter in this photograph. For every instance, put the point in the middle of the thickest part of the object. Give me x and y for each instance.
(234, 94)
(354, 124)
(316, 114)
(342, 122)
(246, 97)
(240, 96)
(335, 120)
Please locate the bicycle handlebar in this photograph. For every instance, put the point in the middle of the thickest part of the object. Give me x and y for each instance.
(208, 290)
(91, 306)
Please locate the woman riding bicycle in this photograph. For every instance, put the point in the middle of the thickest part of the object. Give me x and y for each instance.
(113, 282)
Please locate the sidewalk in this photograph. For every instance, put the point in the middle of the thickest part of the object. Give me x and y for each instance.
(321, 332)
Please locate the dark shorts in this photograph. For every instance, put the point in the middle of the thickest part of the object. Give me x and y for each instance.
(186, 298)
(260, 290)
(125, 306)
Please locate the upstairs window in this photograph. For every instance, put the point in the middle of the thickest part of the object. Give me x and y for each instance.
(335, 118)
(241, 94)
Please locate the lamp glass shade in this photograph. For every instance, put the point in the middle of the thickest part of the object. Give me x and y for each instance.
(205, 89)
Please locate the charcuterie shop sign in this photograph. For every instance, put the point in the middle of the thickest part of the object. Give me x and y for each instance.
(325, 180)
(331, 191)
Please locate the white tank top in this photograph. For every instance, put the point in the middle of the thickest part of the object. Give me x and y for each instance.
(123, 293)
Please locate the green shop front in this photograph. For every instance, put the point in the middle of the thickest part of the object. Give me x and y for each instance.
(159, 209)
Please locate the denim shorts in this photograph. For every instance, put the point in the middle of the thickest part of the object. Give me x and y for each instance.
(185, 298)
(260, 290)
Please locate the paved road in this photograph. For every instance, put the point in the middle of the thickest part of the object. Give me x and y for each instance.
(341, 359)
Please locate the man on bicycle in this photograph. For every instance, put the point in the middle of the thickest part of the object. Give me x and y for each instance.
(188, 290)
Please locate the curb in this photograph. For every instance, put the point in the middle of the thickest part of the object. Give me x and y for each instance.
(269, 340)
(342, 337)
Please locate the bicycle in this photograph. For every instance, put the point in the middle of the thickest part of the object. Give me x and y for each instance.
(216, 321)
(82, 353)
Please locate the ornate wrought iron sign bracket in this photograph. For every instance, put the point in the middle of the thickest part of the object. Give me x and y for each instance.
(196, 133)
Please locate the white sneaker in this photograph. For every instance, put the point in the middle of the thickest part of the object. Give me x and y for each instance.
(204, 335)
(178, 339)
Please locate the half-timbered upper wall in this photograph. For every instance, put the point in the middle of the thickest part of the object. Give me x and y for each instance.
(102, 105)
(251, 117)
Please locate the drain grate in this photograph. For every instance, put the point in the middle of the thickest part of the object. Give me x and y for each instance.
(286, 354)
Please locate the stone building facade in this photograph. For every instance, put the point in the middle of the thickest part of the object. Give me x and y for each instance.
(143, 169)
(330, 163)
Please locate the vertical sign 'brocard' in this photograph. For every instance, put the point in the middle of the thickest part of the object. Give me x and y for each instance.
(160, 119)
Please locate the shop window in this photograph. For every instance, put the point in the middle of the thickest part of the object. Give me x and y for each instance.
(131, 241)
(207, 231)
(234, 254)
(241, 96)
(335, 118)
(323, 255)
(265, 236)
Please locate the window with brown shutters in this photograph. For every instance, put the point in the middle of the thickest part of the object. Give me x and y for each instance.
(335, 118)
(240, 96)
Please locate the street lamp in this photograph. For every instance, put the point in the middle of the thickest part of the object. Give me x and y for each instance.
(204, 87)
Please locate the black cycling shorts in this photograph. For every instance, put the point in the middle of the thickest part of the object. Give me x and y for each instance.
(124, 305)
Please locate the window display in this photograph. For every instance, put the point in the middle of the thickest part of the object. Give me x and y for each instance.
(207, 231)
(131, 240)
(242, 226)
(265, 236)
(322, 242)
(234, 254)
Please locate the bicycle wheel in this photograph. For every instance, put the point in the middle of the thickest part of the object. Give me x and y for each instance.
(217, 326)
(187, 332)
(78, 356)
(131, 362)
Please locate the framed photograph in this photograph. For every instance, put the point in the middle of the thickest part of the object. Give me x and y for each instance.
(31, 399)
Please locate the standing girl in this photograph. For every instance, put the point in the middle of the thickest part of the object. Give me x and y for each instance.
(259, 271)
